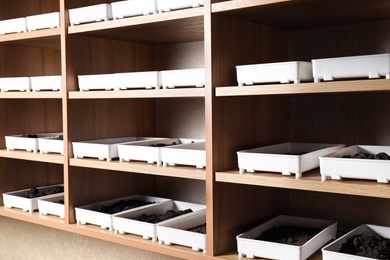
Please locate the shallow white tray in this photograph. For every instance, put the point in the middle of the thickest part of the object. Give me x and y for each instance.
(96, 82)
(364, 66)
(43, 21)
(16, 199)
(248, 246)
(130, 8)
(23, 142)
(145, 151)
(124, 224)
(335, 167)
(192, 154)
(174, 231)
(15, 83)
(103, 149)
(13, 26)
(88, 214)
(46, 83)
(87, 14)
(168, 5)
(283, 72)
(147, 79)
(52, 206)
(183, 78)
(332, 251)
(281, 158)
(51, 144)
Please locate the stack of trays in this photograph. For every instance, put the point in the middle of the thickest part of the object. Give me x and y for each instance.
(52, 206)
(30, 83)
(51, 142)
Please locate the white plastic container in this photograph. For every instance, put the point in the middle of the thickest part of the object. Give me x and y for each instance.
(287, 158)
(123, 223)
(89, 214)
(283, 72)
(131, 8)
(131, 80)
(13, 26)
(46, 83)
(248, 246)
(336, 167)
(175, 231)
(17, 199)
(192, 154)
(52, 206)
(24, 142)
(147, 151)
(169, 5)
(332, 251)
(87, 14)
(43, 21)
(97, 82)
(15, 83)
(183, 78)
(51, 144)
(364, 66)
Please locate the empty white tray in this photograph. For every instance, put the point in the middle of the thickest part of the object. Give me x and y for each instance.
(17, 199)
(13, 26)
(174, 231)
(248, 246)
(129, 80)
(168, 5)
(183, 78)
(332, 251)
(123, 223)
(46, 83)
(283, 72)
(15, 83)
(43, 21)
(364, 66)
(23, 142)
(336, 167)
(287, 158)
(130, 8)
(89, 214)
(96, 82)
(192, 154)
(52, 206)
(51, 144)
(87, 14)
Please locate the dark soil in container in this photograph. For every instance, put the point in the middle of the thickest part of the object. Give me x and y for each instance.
(198, 229)
(290, 235)
(156, 218)
(122, 205)
(35, 192)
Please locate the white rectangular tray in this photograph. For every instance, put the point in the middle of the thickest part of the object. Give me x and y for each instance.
(283, 72)
(103, 149)
(96, 82)
(183, 78)
(284, 157)
(46, 83)
(87, 14)
(336, 167)
(43, 21)
(13, 26)
(193, 154)
(52, 206)
(364, 66)
(332, 251)
(169, 5)
(15, 83)
(130, 8)
(23, 142)
(123, 223)
(129, 80)
(174, 231)
(51, 144)
(146, 151)
(248, 246)
(89, 214)
(16, 199)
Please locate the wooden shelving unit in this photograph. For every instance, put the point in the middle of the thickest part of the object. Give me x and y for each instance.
(218, 36)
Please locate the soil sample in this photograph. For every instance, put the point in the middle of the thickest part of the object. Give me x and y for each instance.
(122, 205)
(291, 235)
(198, 229)
(35, 192)
(156, 218)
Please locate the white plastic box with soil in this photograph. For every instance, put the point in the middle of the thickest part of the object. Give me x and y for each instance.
(88, 14)
(52, 206)
(123, 9)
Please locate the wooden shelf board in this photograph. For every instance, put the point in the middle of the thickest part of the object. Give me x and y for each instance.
(30, 156)
(170, 27)
(373, 85)
(310, 181)
(186, 172)
(31, 95)
(47, 38)
(144, 93)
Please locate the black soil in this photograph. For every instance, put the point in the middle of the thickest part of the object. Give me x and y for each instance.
(198, 229)
(35, 192)
(290, 235)
(156, 218)
(121, 206)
